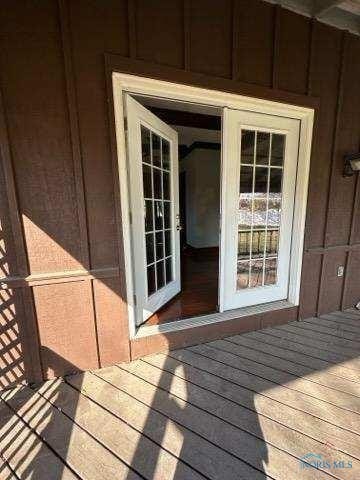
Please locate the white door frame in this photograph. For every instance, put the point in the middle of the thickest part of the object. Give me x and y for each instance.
(171, 91)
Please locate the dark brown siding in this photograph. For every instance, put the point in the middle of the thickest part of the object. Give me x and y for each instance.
(63, 302)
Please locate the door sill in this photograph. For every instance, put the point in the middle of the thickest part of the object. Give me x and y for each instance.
(147, 330)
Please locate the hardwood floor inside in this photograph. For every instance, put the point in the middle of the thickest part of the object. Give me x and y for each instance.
(199, 281)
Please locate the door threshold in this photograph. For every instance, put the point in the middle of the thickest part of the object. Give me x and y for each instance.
(147, 330)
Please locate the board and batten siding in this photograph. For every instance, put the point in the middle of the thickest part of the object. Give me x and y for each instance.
(62, 289)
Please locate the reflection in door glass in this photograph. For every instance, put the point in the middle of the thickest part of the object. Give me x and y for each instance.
(156, 171)
(260, 194)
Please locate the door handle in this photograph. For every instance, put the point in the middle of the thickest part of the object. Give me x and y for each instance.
(179, 227)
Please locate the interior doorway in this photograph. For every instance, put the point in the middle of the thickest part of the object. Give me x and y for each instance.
(198, 130)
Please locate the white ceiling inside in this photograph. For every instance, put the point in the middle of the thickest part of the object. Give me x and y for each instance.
(343, 14)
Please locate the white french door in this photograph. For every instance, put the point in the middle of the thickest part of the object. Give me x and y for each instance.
(259, 155)
(154, 209)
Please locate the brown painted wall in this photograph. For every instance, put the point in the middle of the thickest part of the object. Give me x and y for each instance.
(63, 286)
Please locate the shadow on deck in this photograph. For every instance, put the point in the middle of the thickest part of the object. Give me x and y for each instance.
(280, 403)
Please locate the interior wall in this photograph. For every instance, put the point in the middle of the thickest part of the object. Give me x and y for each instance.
(63, 284)
(202, 167)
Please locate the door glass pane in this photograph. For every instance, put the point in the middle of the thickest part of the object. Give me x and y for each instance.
(149, 220)
(159, 214)
(243, 274)
(247, 146)
(277, 149)
(145, 145)
(147, 181)
(256, 273)
(245, 200)
(270, 271)
(166, 185)
(156, 155)
(151, 281)
(149, 248)
(167, 215)
(168, 243)
(160, 274)
(262, 148)
(168, 265)
(159, 245)
(260, 194)
(165, 154)
(157, 183)
(156, 171)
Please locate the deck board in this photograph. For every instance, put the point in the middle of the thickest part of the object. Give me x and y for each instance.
(295, 419)
(294, 363)
(343, 387)
(246, 407)
(339, 364)
(282, 438)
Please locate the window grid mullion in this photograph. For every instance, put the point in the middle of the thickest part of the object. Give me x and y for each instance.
(153, 207)
(252, 209)
(267, 210)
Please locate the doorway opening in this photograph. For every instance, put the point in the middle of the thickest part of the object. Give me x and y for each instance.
(199, 164)
(250, 258)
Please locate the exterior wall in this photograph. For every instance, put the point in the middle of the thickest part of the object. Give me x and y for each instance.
(63, 286)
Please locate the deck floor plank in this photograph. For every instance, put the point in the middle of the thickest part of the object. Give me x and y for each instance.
(297, 420)
(317, 348)
(298, 363)
(6, 473)
(239, 346)
(26, 453)
(347, 348)
(108, 429)
(328, 332)
(281, 437)
(87, 457)
(337, 402)
(242, 445)
(340, 365)
(108, 389)
(284, 395)
(249, 406)
(330, 323)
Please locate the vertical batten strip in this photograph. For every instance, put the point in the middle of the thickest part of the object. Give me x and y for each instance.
(30, 341)
(333, 159)
(311, 57)
(277, 12)
(353, 214)
(351, 241)
(309, 93)
(74, 131)
(132, 28)
(336, 134)
(235, 40)
(65, 31)
(186, 7)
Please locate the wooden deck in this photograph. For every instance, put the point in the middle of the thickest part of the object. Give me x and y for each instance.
(247, 407)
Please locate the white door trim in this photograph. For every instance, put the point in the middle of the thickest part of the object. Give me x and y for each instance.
(172, 91)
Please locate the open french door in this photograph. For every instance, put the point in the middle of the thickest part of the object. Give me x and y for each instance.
(154, 206)
(259, 167)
